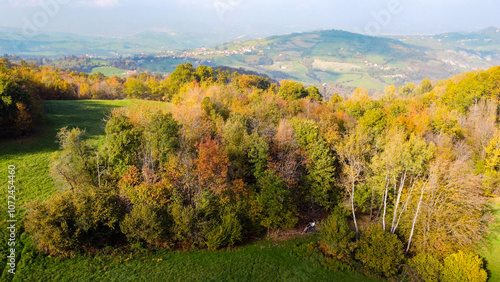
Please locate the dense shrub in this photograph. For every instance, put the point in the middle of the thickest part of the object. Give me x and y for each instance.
(184, 223)
(124, 140)
(72, 164)
(427, 267)
(162, 135)
(336, 235)
(72, 221)
(227, 232)
(275, 201)
(20, 111)
(252, 81)
(143, 224)
(52, 224)
(465, 267)
(291, 90)
(380, 251)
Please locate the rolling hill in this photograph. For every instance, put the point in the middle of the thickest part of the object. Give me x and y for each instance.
(338, 58)
(334, 60)
(12, 41)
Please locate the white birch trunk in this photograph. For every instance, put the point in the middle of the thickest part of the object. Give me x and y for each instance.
(386, 191)
(353, 211)
(415, 218)
(395, 213)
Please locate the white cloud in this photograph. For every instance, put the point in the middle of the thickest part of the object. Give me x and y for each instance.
(102, 3)
(86, 3)
(24, 3)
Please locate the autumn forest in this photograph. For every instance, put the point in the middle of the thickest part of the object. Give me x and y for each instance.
(398, 183)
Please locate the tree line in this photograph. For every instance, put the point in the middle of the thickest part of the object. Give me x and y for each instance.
(24, 85)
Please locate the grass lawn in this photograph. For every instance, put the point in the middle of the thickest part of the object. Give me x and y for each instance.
(263, 261)
(109, 71)
(491, 252)
(32, 155)
(367, 82)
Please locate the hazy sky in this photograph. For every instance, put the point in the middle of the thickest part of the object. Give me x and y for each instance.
(256, 17)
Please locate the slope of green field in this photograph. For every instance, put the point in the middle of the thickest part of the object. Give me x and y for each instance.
(32, 155)
(109, 71)
(490, 252)
(263, 261)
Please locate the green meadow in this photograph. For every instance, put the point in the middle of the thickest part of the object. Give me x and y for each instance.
(489, 251)
(109, 71)
(262, 261)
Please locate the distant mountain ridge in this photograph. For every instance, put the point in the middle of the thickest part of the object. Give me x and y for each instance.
(336, 57)
(332, 59)
(12, 41)
(485, 42)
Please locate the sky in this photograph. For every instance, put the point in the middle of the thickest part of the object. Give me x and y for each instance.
(248, 17)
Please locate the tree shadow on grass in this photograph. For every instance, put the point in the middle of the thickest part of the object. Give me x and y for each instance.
(88, 115)
(490, 247)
